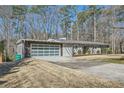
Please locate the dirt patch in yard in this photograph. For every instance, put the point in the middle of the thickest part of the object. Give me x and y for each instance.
(39, 73)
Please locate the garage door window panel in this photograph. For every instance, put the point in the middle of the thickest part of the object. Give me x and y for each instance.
(45, 50)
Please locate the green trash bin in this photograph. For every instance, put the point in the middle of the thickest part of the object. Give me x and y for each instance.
(18, 57)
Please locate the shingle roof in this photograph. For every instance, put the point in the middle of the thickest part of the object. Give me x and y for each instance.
(64, 42)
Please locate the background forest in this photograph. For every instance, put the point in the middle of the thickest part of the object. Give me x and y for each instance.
(83, 23)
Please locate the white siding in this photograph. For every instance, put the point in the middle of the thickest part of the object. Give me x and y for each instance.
(67, 50)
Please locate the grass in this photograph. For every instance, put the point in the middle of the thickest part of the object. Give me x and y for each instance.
(114, 60)
(117, 58)
(39, 73)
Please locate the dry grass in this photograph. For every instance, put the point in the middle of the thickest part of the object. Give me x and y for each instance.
(91, 57)
(113, 58)
(39, 73)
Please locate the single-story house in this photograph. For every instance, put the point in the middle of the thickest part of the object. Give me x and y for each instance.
(39, 48)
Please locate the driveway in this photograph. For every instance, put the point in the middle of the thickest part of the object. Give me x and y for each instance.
(57, 59)
(110, 71)
(101, 69)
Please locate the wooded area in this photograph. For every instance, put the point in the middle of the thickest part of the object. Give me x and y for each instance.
(91, 23)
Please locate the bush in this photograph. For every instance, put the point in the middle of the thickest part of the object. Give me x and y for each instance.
(7, 59)
(109, 50)
(98, 51)
(79, 52)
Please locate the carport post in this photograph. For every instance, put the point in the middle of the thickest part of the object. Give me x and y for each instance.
(84, 49)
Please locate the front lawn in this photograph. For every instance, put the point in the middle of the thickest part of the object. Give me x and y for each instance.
(114, 60)
(38, 73)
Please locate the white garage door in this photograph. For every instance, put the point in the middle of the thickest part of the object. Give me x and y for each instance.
(45, 50)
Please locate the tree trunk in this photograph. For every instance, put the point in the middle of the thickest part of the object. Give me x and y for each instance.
(94, 26)
(113, 32)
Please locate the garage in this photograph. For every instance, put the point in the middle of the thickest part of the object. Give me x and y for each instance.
(45, 50)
